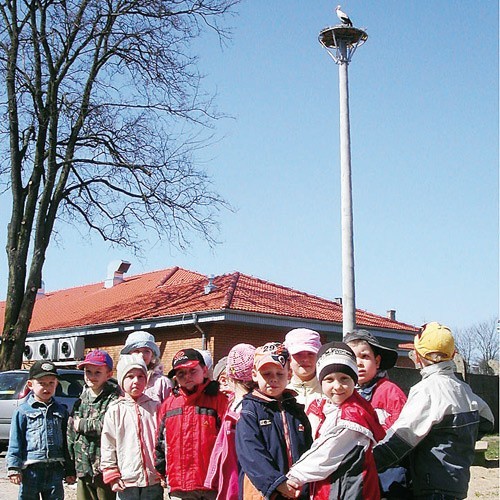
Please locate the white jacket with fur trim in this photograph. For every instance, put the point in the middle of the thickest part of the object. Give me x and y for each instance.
(128, 441)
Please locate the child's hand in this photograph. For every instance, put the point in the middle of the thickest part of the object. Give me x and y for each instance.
(16, 478)
(70, 479)
(292, 483)
(287, 490)
(76, 423)
(117, 485)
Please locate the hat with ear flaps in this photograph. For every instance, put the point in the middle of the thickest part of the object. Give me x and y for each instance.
(128, 362)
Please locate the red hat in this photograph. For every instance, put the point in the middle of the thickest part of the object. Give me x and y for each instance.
(97, 358)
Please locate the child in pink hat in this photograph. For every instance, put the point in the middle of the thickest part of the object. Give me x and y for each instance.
(303, 345)
(223, 469)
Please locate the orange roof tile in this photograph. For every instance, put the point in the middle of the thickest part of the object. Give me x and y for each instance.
(176, 291)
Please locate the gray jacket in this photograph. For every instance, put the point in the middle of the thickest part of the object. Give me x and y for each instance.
(438, 428)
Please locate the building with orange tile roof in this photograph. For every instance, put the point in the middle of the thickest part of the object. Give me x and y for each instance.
(182, 308)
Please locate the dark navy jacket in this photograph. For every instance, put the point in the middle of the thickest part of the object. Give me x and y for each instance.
(270, 436)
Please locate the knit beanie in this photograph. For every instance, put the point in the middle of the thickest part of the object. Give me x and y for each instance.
(336, 357)
(136, 340)
(128, 362)
(240, 362)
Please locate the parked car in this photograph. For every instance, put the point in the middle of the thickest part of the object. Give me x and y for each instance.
(14, 391)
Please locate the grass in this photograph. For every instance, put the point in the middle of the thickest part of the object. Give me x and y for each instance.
(492, 452)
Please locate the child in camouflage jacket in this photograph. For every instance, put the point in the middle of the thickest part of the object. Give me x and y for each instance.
(85, 425)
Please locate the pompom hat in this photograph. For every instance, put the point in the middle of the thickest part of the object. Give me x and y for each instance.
(336, 357)
(136, 340)
(240, 362)
(128, 362)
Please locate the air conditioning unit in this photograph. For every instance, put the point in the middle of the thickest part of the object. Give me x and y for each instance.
(29, 351)
(46, 349)
(71, 348)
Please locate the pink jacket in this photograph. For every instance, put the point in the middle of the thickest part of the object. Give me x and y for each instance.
(128, 441)
(222, 472)
(159, 386)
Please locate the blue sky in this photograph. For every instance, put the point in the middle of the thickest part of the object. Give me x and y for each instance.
(424, 137)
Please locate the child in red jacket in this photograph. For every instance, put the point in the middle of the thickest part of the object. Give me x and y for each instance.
(189, 420)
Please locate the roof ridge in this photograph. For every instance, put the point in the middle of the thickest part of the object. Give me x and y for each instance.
(228, 298)
(167, 276)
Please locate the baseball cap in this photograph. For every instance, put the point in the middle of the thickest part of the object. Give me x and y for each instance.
(434, 338)
(97, 358)
(302, 339)
(186, 358)
(388, 356)
(40, 369)
(272, 352)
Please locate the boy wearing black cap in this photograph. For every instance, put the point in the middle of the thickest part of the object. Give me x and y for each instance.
(37, 457)
(373, 360)
(340, 461)
(386, 397)
(189, 420)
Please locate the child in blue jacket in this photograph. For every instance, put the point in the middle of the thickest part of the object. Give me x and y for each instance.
(273, 429)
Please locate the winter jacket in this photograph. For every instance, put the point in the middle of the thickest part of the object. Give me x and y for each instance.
(159, 385)
(271, 435)
(187, 429)
(38, 435)
(438, 428)
(388, 400)
(307, 391)
(223, 469)
(85, 444)
(128, 440)
(340, 459)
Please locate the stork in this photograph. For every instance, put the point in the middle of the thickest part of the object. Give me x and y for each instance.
(344, 18)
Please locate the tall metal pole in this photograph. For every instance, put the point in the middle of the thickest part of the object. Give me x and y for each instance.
(341, 42)
(348, 287)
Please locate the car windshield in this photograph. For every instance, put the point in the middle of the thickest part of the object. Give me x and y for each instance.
(70, 385)
(11, 384)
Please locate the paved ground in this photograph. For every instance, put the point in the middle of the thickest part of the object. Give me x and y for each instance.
(484, 485)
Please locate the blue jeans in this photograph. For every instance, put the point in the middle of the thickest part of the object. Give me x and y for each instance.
(42, 479)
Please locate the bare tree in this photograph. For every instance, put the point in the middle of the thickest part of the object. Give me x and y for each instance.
(479, 344)
(102, 116)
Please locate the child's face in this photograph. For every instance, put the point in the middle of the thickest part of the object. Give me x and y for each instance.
(43, 388)
(303, 365)
(146, 353)
(272, 379)
(337, 387)
(96, 376)
(189, 378)
(134, 382)
(366, 360)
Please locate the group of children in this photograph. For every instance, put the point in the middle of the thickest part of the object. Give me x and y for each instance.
(296, 419)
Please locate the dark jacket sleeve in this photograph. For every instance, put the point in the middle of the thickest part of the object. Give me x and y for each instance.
(256, 462)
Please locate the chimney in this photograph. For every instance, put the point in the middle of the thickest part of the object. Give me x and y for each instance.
(391, 314)
(41, 291)
(116, 270)
(210, 287)
(338, 300)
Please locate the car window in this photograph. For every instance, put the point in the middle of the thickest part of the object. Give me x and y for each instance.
(70, 385)
(11, 384)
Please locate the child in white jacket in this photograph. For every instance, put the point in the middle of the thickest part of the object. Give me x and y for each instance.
(128, 435)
